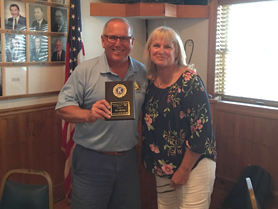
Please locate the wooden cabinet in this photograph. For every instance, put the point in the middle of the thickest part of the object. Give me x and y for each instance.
(149, 10)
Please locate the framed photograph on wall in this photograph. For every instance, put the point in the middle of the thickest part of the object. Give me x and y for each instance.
(15, 17)
(15, 48)
(14, 81)
(38, 17)
(38, 48)
(58, 48)
(59, 1)
(32, 31)
(59, 20)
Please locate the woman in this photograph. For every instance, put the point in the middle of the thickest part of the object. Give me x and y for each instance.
(178, 140)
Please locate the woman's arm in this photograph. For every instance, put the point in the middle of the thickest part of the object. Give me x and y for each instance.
(181, 176)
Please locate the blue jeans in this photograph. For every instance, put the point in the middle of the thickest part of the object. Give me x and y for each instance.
(103, 181)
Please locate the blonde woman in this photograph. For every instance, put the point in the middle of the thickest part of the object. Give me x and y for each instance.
(178, 140)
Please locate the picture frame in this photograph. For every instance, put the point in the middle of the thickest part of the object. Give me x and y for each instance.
(14, 15)
(15, 48)
(38, 17)
(58, 48)
(59, 1)
(14, 81)
(18, 46)
(38, 48)
(58, 20)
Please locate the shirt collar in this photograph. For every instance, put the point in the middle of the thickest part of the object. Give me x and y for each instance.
(106, 69)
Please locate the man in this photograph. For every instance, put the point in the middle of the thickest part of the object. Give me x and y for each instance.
(15, 53)
(104, 166)
(16, 22)
(59, 54)
(40, 24)
(60, 25)
(38, 54)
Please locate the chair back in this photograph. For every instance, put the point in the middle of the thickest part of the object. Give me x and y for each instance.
(14, 195)
(263, 186)
(252, 197)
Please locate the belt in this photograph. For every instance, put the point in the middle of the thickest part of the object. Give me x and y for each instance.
(118, 154)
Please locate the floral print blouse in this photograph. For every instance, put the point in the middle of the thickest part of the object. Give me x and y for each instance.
(175, 119)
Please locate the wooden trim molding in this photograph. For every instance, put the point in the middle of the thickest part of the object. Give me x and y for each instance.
(248, 109)
(212, 46)
(29, 95)
(26, 109)
(146, 10)
(227, 2)
(192, 11)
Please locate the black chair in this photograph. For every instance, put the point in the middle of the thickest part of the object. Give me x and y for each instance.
(15, 195)
(263, 186)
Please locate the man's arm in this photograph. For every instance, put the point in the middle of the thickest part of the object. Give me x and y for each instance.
(75, 114)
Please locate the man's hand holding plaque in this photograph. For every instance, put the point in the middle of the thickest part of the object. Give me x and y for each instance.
(120, 96)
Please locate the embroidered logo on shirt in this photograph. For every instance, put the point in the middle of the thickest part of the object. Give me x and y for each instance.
(137, 86)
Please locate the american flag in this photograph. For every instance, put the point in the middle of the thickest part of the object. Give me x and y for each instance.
(74, 51)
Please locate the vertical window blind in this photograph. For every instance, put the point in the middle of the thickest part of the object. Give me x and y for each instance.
(247, 52)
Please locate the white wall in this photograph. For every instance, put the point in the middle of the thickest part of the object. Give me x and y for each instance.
(195, 29)
(92, 40)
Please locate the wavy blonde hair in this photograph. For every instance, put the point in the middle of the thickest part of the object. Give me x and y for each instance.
(169, 35)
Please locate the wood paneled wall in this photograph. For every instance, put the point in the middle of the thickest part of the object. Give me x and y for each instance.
(245, 135)
(30, 137)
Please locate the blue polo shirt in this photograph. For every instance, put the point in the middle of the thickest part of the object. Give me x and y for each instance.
(85, 86)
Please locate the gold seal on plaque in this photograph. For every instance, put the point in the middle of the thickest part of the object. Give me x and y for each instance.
(119, 90)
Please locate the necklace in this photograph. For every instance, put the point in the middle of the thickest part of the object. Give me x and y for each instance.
(159, 82)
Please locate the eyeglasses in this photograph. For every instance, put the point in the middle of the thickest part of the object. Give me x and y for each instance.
(113, 39)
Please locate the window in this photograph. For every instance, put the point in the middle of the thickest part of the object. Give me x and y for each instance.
(247, 53)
